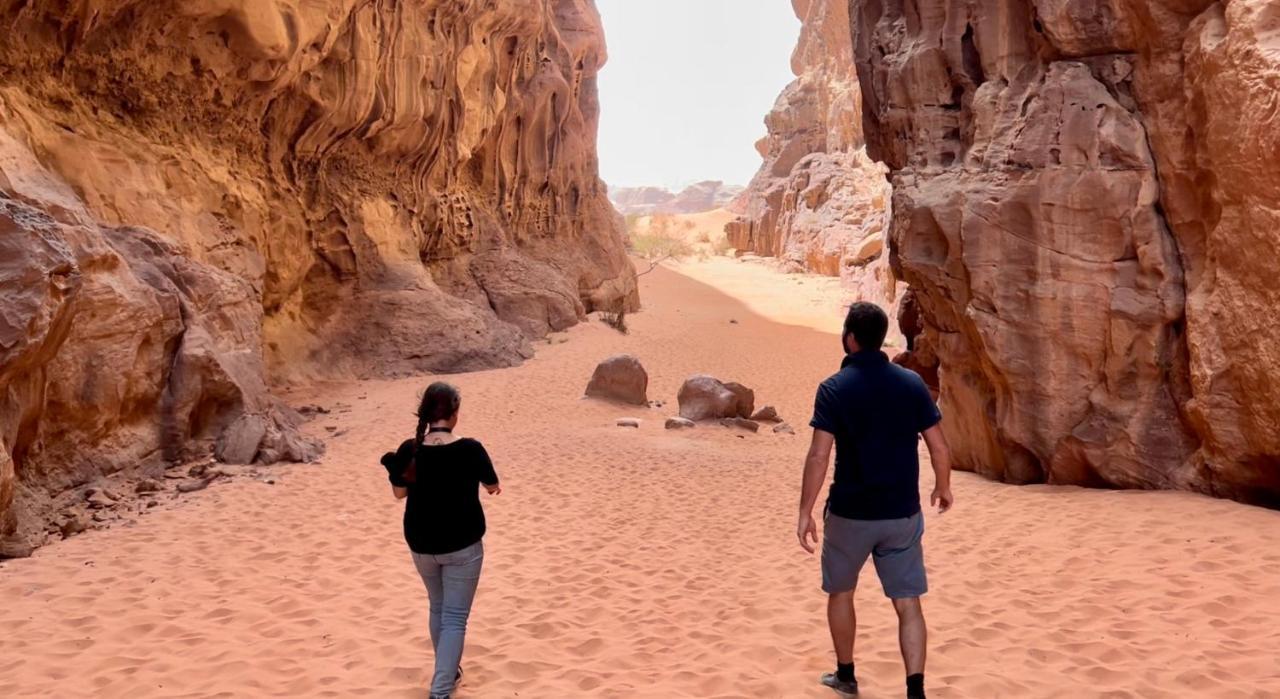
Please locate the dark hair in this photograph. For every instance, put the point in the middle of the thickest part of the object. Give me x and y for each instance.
(439, 402)
(868, 324)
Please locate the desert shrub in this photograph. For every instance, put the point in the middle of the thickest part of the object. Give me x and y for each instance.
(616, 317)
(656, 246)
(722, 246)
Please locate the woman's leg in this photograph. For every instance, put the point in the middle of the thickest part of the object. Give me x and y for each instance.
(429, 569)
(460, 575)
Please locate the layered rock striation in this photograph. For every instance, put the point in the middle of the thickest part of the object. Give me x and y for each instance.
(1086, 204)
(818, 202)
(199, 199)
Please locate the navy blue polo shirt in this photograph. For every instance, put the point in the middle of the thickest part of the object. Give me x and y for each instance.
(876, 410)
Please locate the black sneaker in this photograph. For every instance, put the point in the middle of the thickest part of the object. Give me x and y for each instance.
(848, 689)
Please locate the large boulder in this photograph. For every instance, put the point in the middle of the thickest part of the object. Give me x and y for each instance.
(622, 378)
(705, 397)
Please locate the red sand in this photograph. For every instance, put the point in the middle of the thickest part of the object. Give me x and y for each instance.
(640, 563)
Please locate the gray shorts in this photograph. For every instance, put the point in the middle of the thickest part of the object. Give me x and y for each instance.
(894, 545)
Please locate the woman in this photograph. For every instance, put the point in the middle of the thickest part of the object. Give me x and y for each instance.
(440, 474)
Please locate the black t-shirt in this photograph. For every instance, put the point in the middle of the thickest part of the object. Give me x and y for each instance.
(443, 512)
(876, 410)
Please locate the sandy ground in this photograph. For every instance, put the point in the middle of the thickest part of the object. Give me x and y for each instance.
(639, 563)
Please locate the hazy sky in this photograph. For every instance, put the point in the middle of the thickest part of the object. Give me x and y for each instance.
(688, 83)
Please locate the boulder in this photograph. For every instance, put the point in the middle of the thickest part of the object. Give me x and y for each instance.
(783, 428)
(628, 422)
(746, 399)
(621, 378)
(239, 443)
(705, 397)
(679, 423)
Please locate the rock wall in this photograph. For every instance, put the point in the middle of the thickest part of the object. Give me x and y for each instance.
(201, 198)
(818, 202)
(1086, 204)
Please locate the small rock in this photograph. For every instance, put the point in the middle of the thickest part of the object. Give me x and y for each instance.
(331, 428)
(679, 423)
(193, 486)
(75, 522)
(740, 423)
(313, 410)
(152, 503)
(733, 321)
(339, 433)
(766, 414)
(628, 422)
(147, 485)
(784, 428)
(99, 500)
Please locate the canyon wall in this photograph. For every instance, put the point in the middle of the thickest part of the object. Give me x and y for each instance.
(201, 199)
(818, 202)
(1086, 204)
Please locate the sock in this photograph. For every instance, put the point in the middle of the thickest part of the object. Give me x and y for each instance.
(915, 685)
(844, 672)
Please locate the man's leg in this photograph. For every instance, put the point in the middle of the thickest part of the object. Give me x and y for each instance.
(912, 634)
(843, 621)
(899, 559)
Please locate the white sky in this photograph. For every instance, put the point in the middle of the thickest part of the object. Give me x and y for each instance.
(688, 83)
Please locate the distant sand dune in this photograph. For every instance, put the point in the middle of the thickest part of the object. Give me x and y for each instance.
(639, 563)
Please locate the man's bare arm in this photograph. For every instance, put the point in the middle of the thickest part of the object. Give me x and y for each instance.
(815, 473)
(400, 493)
(940, 457)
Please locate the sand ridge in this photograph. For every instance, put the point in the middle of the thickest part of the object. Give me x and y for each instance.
(639, 563)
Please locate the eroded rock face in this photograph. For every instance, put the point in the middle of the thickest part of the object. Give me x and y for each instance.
(1086, 204)
(818, 202)
(197, 196)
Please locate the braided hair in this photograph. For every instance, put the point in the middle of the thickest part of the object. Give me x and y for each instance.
(439, 402)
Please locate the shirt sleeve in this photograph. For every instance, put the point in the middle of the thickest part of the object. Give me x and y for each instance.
(824, 410)
(927, 409)
(396, 462)
(484, 466)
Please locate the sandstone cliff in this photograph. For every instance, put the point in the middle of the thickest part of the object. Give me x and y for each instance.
(199, 197)
(1086, 204)
(818, 202)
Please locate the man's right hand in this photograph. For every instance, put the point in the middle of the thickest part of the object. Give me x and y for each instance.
(942, 499)
(807, 531)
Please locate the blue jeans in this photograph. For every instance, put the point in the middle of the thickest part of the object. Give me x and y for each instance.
(451, 580)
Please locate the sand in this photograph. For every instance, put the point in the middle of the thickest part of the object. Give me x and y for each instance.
(639, 563)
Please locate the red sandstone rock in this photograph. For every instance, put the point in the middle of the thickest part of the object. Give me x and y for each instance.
(704, 397)
(621, 378)
(1085, 205)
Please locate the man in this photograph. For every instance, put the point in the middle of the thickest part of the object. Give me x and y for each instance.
(873, 411)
